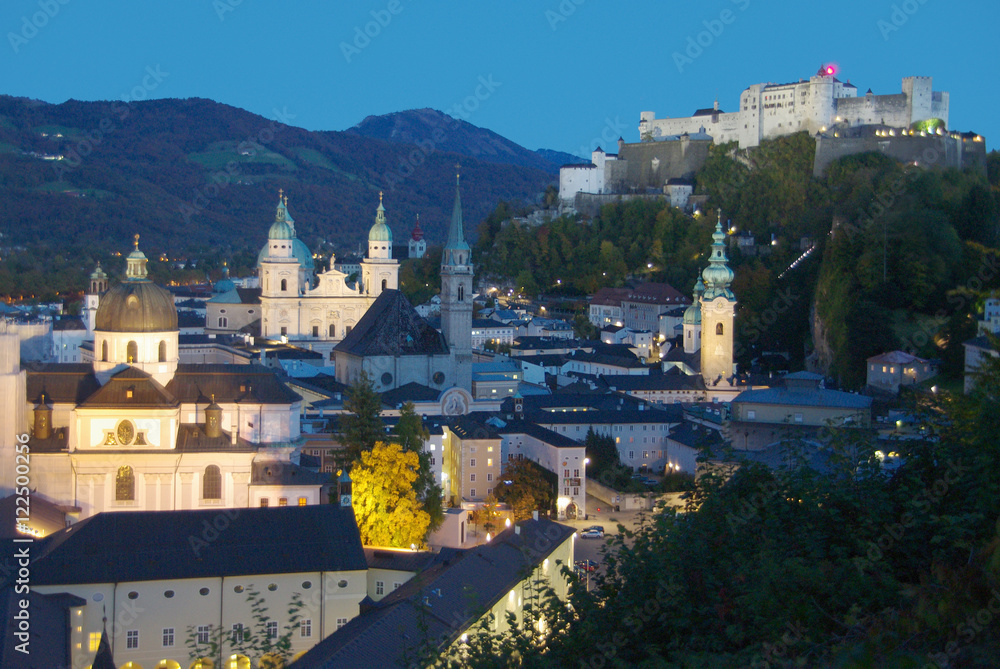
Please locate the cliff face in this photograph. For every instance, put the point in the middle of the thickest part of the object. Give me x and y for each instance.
(821, 358)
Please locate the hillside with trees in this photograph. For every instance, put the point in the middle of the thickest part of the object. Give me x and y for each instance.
(198, 179)
(901, 256)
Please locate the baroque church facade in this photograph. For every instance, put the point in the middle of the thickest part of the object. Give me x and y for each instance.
(133, 428)
(312, 309)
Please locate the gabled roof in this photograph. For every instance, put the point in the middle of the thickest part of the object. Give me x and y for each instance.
(131, 388)
(410, 392)
(68, 323)
(229, 383)
(440, 603)
(897, 358)
(392, 327)
(62, 383)
(286, 474)
(165, 545)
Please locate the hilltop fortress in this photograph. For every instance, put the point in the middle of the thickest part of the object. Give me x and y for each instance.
(773, 110)
(911, 127)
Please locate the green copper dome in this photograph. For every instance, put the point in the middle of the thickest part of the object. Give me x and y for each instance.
(284, 228)
(718, 275)
(692, 315)
(380, 232)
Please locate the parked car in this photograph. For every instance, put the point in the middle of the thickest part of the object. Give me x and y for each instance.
(586, 565)
(592, 534)
(599, 528)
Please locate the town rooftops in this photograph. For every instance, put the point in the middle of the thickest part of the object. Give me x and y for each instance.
(392, 327)
(440, 603)
(538, 432)
(818, 397)
(896, 358)
(134, 546)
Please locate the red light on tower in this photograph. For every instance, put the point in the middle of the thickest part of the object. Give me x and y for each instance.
(829, 69)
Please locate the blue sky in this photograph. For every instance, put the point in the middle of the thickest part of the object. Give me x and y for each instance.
(559, 74)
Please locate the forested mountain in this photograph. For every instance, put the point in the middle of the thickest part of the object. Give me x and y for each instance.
(429, 129)
(912, 257)
(199, 178)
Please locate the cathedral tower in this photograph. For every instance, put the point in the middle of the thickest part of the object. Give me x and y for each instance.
(456, 295)
(378, 270)
(92, 298)
(718, 308)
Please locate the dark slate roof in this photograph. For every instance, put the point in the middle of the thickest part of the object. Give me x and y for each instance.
(190, 319)
(155, 545)
(144, 389)
(62, 383)
(286, 473)
(980, 342)
(489, 323)
(604, 359)
(229, 383)
(50, 628)
(672, 380)
(192, 438)
(708, 111)
(398, 560)
(410, 392)
(68, 323)
(538, 432)
(439, 603)
(473, 426)
(392, 327)
(812, 398)
(694, 435)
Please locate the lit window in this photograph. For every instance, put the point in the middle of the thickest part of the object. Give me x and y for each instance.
(264, 501)
(302, 501)
(282, 501)
(95, 641)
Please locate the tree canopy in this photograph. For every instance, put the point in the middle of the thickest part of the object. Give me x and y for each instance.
(385, 504)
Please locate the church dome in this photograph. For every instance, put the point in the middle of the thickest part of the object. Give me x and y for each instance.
(279, 230)
(380, 232)
(136, 306)
(284, 228)
(692, 315)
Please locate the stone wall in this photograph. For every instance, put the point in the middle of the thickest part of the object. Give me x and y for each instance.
(933, 151)
(650, 164)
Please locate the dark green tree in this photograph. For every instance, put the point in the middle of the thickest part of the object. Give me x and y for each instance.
(363, 426)
(412, 436)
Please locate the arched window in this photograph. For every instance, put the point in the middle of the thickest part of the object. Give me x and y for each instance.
(104, 351)
(211, 484)
(125, 484)
(461, 293)
(333, 331)
(163, 351)
(718, 328)
(384, 284)
(132, 352)
(284, 285)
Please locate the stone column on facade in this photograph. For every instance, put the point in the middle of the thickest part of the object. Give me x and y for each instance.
(185, 499)
(241, 490)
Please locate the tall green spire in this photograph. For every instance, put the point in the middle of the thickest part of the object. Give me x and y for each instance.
(456, 249)
(718, 275)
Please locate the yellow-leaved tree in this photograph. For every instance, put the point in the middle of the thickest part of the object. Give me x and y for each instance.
(383, 498)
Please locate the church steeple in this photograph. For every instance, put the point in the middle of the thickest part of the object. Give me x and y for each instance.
(456, 250)
(718, 276)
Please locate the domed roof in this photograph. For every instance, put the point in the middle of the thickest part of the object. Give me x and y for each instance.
(136, 306)
(692, 315)
(718, 274)
(284, 228)
(380, 232)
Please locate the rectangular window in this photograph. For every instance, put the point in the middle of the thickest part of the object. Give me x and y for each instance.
(631, 455)
(472, 478)
(489, 462)
(272, 629)
(432, 460)
(566, 491)
(168, 637)
(472, 462)
(132, 639)
(341, 622)
(489, 477)
(395, 586)
(203, 631)
(264, 501)
(798, 418)
(282, 501)
(315, 331)
(489, 449)
(237, 635)
(95, 641)
(576, 491)
(645, 455)
(306, 628)
(751, 415)
(379, 588)
(302, 501)
(472, 492)
(576, 473)
(284, 331)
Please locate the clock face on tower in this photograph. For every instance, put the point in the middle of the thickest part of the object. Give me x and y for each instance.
(125, 432)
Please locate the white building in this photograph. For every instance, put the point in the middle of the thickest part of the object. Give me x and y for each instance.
(773, 110)
(598, 176)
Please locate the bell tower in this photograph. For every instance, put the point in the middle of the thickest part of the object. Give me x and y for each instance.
(456, 295)
(718, 309)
